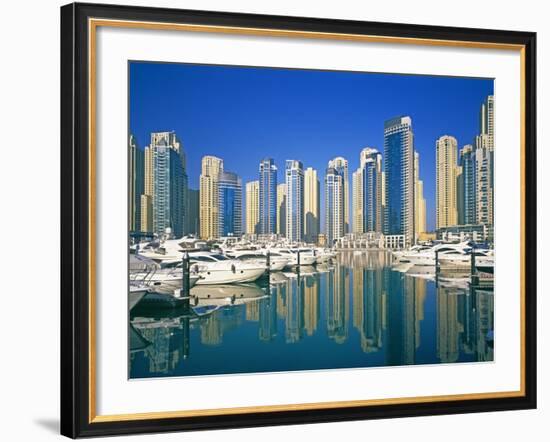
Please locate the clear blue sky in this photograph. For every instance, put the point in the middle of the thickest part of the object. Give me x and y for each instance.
(243, 114)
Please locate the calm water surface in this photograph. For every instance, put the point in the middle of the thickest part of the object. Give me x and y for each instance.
(355, 313)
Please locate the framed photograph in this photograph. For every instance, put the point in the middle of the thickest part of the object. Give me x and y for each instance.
(274, 220)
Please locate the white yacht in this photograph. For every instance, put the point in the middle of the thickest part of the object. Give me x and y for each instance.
(277, 261)
(215, 268)
(170, 279)
(307, 258)
(426, 257)
(144, 272)
(167, 250)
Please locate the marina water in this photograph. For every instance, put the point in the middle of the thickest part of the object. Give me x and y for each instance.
(356, 312)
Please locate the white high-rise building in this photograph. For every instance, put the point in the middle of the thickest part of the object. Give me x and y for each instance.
(208, 196)
(294, 178)
(484, 179)
(445, 190)
(357, 200)
(334, 205)
(484, 159)
(312, 209)
(341, 166)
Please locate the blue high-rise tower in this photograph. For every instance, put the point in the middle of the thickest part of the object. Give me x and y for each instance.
(467, 161)
(230, 204)
(399, 175)
(268, 196)
(170, 184)
(294, 176)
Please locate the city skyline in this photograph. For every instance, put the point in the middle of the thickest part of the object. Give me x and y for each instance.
(299, 128)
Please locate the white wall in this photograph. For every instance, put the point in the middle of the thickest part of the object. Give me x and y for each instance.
(29, 107)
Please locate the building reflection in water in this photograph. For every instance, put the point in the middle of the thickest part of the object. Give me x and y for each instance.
(396, 319)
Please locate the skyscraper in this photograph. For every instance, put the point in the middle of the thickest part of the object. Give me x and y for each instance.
(341, 166)
(268, 196)
(294, 177)
(281, 209)
(211, 167)
(445, 190)
(136, 183)
(357, 193)
(484, 174)
(468, 181)
(372, 190)
(334, 205)
(419, 201)
(459, 196)
(146, 202)
(357, 200)
(252, 207)
(169, 184)
(230, 204)
(399, 178)
(312, 205)
(487, 121)
(484, 179)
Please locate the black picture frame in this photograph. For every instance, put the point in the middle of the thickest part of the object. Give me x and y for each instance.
(75, 221)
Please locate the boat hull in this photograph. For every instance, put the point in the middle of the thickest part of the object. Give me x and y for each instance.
(218, 276)
(135, 296)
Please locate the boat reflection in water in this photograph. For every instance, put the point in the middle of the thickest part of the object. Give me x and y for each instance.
(358, 312)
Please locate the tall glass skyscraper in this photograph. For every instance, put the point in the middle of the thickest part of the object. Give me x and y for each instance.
(372, 191)
(169, 184)
(334, 205)
(468, 181)
(399, 177)
(268, 196)
(294, 177)
(230, 204)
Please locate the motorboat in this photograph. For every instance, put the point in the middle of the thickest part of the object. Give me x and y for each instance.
(169, 250)
(426, 257)
(417, 248)
(215, 268)
(276, 262)
(306, 256)
(145, 272)
(170, 279)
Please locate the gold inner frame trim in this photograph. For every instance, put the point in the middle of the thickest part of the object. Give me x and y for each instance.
(93, 24)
